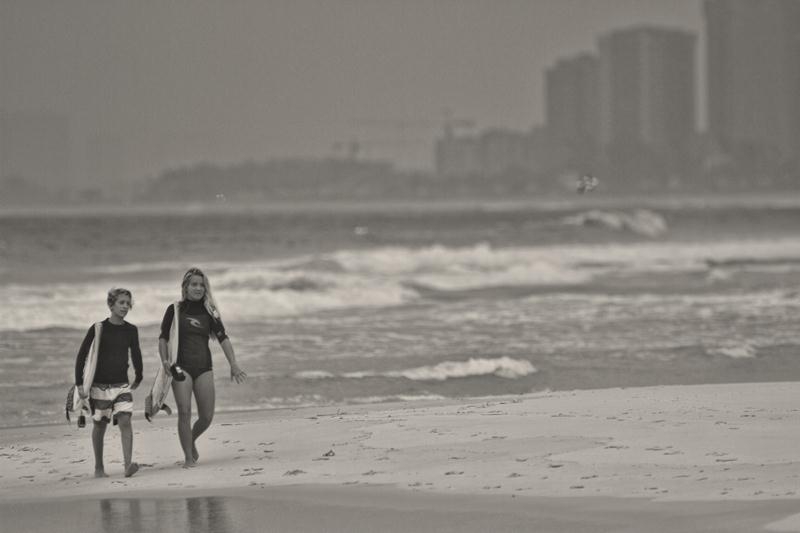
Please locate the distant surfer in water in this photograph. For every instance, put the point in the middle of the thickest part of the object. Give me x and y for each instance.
(110, 397)
(183, 346)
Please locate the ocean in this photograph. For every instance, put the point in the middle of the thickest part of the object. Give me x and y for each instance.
(353, 303)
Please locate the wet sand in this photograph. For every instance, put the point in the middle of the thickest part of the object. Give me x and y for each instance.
(683, 458)
(384, 509)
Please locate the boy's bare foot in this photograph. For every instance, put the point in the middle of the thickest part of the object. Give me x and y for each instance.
(99, 472)
(189, 464)
(195, 454)
(131, 470)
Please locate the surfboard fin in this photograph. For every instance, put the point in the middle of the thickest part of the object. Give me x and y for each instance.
(148, 408)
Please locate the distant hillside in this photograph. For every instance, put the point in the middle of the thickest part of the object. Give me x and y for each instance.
(322, 179)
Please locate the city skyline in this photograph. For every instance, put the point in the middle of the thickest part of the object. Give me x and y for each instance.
(156, 87)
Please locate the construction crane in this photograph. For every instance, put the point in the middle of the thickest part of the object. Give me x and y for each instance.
(451, 124)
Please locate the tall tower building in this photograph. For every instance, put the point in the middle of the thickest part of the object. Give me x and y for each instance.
(572, 101)
(647, 89)
(753, 60)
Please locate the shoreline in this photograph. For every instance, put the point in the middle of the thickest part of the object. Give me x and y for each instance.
(751, 200)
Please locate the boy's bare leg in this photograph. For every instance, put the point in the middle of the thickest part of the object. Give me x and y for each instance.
(204, 395)
(98, 434)
(182, 391)
(126, 433)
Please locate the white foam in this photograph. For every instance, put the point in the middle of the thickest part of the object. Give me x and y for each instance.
(735, 351)
(395, 398)
(313, 374)
(504, 367)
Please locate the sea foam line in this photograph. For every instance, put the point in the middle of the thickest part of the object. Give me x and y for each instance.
(504, 367)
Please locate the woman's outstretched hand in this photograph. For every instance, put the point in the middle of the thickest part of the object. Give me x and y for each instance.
(237, 374)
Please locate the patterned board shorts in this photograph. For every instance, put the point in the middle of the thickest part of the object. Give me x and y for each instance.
(107, 401)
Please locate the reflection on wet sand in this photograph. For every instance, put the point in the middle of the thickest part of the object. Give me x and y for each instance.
(198, 515)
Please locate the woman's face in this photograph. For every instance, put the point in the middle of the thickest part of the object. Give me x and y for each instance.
(121, 306)
(196, 288)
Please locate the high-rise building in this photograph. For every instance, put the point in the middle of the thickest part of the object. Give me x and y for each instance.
(572, 100)
(647, 89)
(753, 61)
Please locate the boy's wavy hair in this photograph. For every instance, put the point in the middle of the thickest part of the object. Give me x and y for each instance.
(208, 298)
(116, 292)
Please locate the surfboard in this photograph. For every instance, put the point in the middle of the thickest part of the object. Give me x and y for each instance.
(75, 404)
(156, 398)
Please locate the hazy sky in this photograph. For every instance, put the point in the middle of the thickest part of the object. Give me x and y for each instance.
(152, 84)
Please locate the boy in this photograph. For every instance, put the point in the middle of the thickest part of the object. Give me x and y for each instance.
(110, 397)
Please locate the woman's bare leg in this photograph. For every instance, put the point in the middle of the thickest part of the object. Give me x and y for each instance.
(182, 390)
(205, 397)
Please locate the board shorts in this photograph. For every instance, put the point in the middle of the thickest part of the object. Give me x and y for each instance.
(109, 400)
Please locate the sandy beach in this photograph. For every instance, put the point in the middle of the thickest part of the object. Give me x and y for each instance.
(673, 458)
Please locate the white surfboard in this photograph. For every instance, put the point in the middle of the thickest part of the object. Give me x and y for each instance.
(75, 404)
(155, 400)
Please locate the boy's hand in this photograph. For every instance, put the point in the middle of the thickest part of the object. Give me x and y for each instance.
(82, 393)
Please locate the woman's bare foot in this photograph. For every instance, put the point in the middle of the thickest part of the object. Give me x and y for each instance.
(131, 469)
(99, 472)
(189, 464)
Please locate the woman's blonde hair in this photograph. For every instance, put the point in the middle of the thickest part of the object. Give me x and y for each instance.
(208, 298)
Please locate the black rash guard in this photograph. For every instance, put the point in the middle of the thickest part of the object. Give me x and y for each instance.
(193, 333)
(112, 354)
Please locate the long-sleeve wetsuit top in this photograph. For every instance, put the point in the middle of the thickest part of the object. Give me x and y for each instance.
(195, 328)
(112, 354)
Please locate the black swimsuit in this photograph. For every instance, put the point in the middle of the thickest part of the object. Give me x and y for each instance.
(194, 330)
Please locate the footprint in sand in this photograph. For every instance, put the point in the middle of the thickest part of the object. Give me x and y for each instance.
(294, 472)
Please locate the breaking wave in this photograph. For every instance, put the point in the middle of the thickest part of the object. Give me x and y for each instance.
(252, 291)
(641, 221)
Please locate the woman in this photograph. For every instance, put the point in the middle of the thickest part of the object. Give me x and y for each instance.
(184, 342)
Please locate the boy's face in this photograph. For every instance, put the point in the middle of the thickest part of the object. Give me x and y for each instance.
(121, 306)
